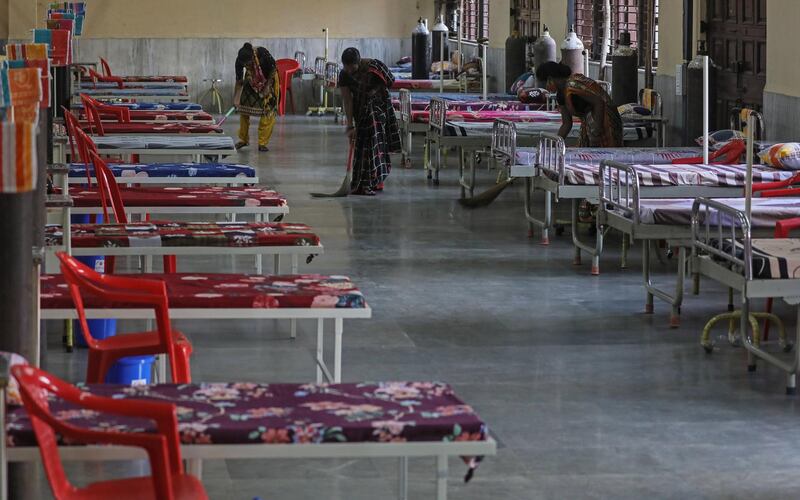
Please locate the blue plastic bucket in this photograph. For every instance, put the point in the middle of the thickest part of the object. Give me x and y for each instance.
(133, 370)
(98, 328)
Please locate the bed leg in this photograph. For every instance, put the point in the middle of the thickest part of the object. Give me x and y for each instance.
(320, 348)
(276, 264)
(461, 173)
(337, 353)
(623, 264)
(295, 265)
(194, 466)
(791, 384)
(574, 223)
(441, 477)
(162, 369)
(472, 174)
(548, 213)
(293, 328)
(648, 305)
(402, 479)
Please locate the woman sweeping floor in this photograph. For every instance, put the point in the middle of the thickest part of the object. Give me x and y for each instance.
(256, 93)
(371, 123)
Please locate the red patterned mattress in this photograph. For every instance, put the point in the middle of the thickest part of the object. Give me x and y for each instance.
(228, 291)
(252, 414)
(156, 128)
(535, 116)
(183, 234)
(175, 196)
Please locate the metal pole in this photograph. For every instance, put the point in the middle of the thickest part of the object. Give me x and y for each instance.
(442, 41)
(484, 63)
(748, 200)
(458, 28)
(705, 110)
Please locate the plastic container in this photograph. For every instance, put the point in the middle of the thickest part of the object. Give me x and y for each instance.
(133, 370)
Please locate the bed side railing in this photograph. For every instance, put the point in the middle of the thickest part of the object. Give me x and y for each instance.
(652, 100)
(551, 154)
(619, 188)
(739, 118)
(438, 115)
(504, 141)
(405, 106)
(714, 223)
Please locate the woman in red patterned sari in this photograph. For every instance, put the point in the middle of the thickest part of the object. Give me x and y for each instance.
(371, 123)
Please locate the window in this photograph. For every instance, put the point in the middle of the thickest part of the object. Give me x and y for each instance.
(526, 17)
(626, 15)
(474, 18)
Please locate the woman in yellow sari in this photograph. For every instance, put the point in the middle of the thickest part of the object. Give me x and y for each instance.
(256, 94)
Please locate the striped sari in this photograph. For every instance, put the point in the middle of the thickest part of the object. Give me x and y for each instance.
(596, 131)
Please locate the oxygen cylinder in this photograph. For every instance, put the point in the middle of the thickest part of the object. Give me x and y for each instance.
(572, 51)
(515, 57)
(438, 31)
(624, 72)
(544, 50)
(694, 98)
(421, 51)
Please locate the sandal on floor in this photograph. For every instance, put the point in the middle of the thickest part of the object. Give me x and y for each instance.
(263, 149)
(240, 145)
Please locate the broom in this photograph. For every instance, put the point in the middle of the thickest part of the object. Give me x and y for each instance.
(225, 117)
(488, 196)
(344, 189)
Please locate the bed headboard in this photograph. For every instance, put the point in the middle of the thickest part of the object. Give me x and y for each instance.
(739, 121)
(300, 57)
(551, 154)
(319, 67)
(504, 141)
(331, 74)
(405, 106)
(619, 188)
(438, 114)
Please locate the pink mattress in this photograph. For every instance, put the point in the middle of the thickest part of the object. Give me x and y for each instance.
(536, 116)
(176, 196)
(156, 128)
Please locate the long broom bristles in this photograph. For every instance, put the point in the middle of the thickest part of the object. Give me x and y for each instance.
(486, 197)
(344, 189)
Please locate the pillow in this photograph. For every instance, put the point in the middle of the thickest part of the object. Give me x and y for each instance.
(533, 96)
(633, 110)
(785, 155)
(12, 391)
(521, 82)
(720, 138)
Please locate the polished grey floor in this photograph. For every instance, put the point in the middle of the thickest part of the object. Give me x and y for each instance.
(587, 396)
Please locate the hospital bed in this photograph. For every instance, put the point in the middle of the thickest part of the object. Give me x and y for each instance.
(208, 296)
(161, 238)
(147, 95)
(725, 249)
(208, 433)
(199, 174)
(198, 146)
(650, 204)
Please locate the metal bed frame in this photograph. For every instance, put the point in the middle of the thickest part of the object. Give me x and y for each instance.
(469, 147)
(619, 208)
(140, 97)
(181, 181)
(197, 155)
(726, 267)
(327, 74)
(194, 454)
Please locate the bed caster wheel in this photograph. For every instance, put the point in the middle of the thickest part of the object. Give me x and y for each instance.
(545, 241)
(708, 348)
(595, 270)
(751, 368)
(791, 391)
(559, 230)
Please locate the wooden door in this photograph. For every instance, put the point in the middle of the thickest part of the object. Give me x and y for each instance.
(737, 41)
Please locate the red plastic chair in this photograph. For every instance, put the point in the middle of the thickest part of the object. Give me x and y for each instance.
(110, 195)
(286, 68)
(167, 482)
(130, 291)
(105, 68)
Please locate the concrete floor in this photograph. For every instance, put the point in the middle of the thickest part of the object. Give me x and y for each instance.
(586, 396)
